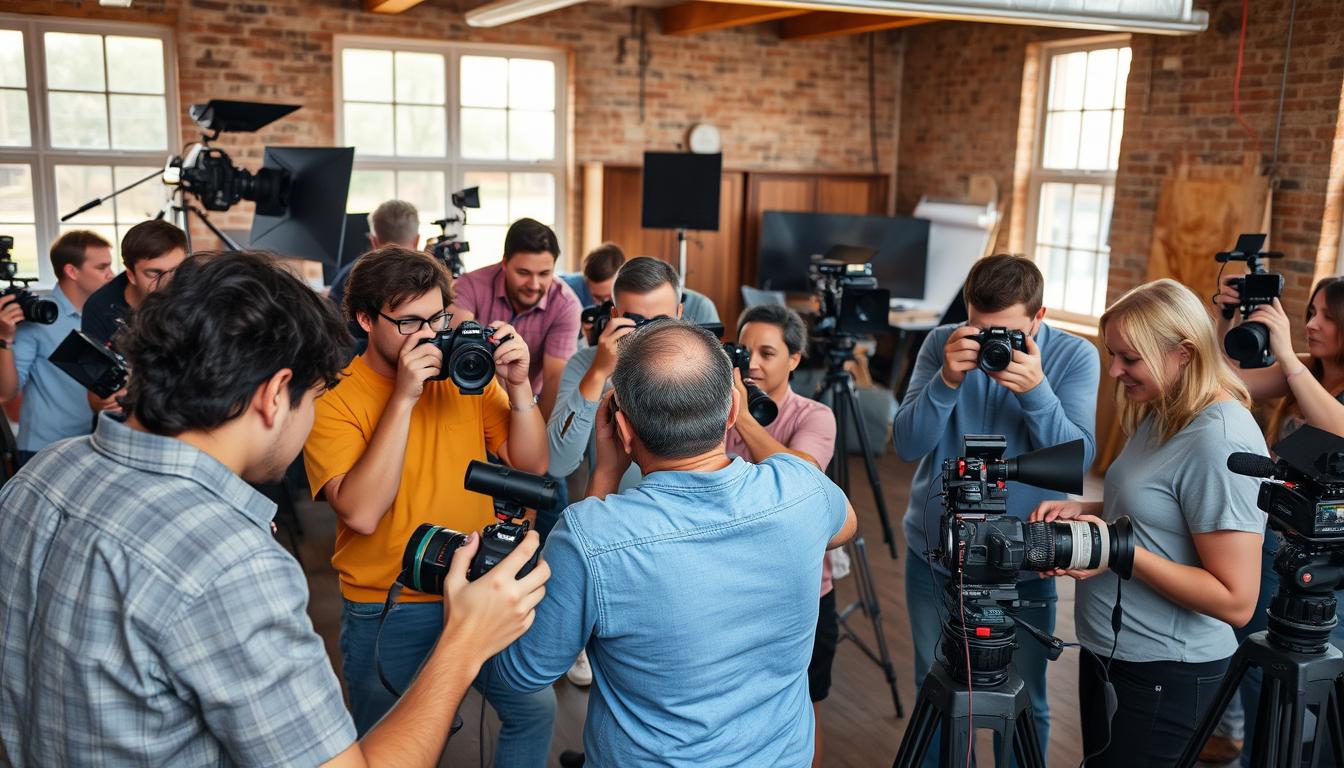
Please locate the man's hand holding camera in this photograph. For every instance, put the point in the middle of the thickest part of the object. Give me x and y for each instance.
(486, 615)
(416, 362)
(1024, 372)
(512, 360)
(11, 314)
(961, 354)
(604, 361)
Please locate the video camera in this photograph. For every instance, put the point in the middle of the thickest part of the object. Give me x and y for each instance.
(430, 549)
(1248, 343)
(209, 173)
(984, 548)
(447, 248)
(1303, 494)
(759, 404)
(35, 308)
(468, 357)
(851, 301)
(98, 368)
(600, 315)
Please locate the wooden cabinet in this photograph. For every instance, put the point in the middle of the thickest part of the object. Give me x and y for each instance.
(719, 263)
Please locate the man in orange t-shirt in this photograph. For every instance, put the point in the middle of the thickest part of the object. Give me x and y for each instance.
(389, 451)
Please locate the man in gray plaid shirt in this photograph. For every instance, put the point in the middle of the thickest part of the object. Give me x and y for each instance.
(147, 614)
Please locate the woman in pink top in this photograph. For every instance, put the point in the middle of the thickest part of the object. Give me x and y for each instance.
(805, 428)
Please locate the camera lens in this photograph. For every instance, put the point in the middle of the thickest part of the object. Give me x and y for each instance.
(1073, 544)
(1247, 344)
(760, 406)
(472, 366)
(995, 355)
(425, 562)
(37, 310)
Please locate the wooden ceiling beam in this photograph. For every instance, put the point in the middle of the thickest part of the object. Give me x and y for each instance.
(813, 26)
(700, 16)
(390, 6)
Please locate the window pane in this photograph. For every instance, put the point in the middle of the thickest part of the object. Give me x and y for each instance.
(485, 81)
(420, 78)
(74, 62)
(1121, 77)
(138, 122)
(1053, 214)
(108, 232)
(366, 75)
(1100, 79)
(16, 195)
(369, 189)
(484, 134)
(531, 84)
(1117, 130)
(25, 246)
(1107, 203)
(78, 120)
(1053, 266)
(143, 202)
(76, 185)
(531, 135)
(532, 195)
(487, 245)
(1067, 71)
(135, 64)
(368, 128)
(494, 196)
(13, 74)
(14, 118)
(1078, 283)
(421, 131)
(1086, 223)
(1099, 285)
(1061, 140)
(424, 190)
(1094, 153)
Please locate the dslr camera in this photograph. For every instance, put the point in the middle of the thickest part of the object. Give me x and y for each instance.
(430, 549)
(35, 308)
(468, 357)
(97, 367)
(759, 404)
(1248, 343)
(851, 301)
(996, 347)
(600, 315)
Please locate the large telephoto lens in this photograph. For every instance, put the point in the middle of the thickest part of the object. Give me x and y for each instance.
(1247, 343)
(1078, 544)
(428, 553)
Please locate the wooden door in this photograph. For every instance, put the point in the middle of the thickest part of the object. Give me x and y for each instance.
(772, 192)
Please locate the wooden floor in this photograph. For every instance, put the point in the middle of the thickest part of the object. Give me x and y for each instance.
(859, 722)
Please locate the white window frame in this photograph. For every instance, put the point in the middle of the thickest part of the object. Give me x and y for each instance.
(453, 166)
(1040, 174)
(41, 157)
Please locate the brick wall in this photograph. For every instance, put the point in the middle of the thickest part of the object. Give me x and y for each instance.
(963, 90)
(778, 105)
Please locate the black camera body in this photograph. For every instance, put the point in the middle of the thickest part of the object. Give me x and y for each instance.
(430, 549)
(97, 367)
(468, 357)
(600, 315)
(209, 173)
(35, 308)
(851, 301)
(996, 347)
(759, 404)
(1248, 343)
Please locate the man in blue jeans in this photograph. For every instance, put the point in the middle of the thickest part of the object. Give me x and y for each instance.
(1045, 396)
(695, 592)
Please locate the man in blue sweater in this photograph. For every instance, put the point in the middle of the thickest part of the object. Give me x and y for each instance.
(1045, 396)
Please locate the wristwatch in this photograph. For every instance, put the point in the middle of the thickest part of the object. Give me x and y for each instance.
(5, 344)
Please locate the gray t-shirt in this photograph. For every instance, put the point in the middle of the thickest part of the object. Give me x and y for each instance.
(1181, 488)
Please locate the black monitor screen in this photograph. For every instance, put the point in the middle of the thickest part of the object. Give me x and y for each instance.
(356, 240)
(681, 191)
(789, 240)
(313, 223)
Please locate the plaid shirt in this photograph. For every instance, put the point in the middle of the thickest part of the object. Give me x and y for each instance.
(148, 616)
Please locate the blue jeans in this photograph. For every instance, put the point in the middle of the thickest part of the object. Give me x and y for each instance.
(410, 631)
(924, 601)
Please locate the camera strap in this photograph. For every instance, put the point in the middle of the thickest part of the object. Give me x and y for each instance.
(392, 594)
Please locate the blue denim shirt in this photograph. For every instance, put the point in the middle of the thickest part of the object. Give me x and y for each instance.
(695, 594)
(54, 404)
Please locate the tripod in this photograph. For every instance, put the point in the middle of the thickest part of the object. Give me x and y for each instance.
(1301, 671)
(177, 205)
(840, 386)
(979, 644)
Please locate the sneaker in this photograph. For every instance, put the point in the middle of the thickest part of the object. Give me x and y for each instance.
(580, 673)
(1220, 749)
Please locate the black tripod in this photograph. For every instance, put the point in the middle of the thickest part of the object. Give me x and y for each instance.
(975, 687)
(840, 386)
(177, 205)
(1302, 672)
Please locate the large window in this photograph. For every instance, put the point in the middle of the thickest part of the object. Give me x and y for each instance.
(429, 119)
(85, 108)
(1082, 99)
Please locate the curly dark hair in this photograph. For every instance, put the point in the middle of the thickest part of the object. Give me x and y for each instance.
(391, 275)
(199, 347)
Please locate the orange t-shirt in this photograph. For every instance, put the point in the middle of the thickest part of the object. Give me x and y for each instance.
(447, 431)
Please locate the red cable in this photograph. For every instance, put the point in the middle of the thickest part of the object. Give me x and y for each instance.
(966, 643)
(1236, 83)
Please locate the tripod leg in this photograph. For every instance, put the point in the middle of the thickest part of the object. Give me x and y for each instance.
(870, 467)
(918, 736)
(1229, 687)
(868, 597)
(956, 746)
(1026, 743)
(1266, 751)
(1334, 715)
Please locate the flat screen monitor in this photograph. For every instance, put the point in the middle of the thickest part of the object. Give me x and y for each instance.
(313, 223)
(681, 191)
(788, 242)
